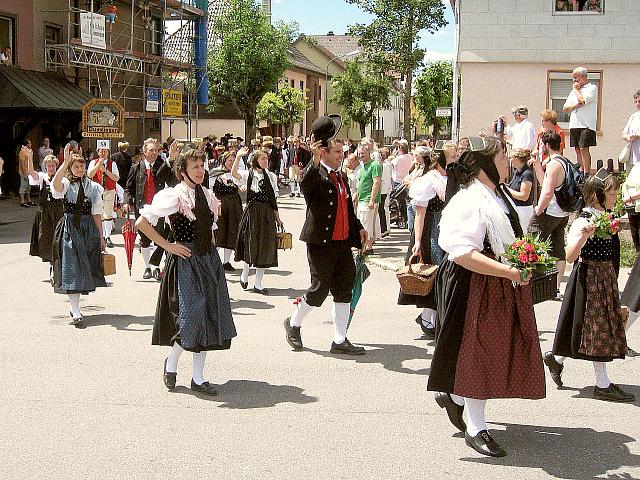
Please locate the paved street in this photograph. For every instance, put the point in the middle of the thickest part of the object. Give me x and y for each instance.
(90, 403)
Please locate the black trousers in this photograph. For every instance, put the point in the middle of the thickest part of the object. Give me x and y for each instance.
(382, 213)
(332, 270)
(634, 226)
(145, 242)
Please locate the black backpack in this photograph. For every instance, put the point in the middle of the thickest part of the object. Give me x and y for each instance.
(569, 196)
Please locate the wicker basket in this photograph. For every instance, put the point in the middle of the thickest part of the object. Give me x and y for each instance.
(285, 240)
(417, 279)
(108, 264)
(544, 286)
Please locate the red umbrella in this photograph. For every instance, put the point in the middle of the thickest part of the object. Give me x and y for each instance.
(129, 235)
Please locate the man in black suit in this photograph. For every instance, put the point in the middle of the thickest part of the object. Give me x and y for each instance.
(146, 178)
(123, 161)
(298, 157)
(330, 230)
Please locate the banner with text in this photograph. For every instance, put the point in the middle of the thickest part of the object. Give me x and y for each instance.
(92, 30)
(171, 102)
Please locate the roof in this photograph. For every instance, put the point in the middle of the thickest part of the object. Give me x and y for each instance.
(338, 45)
(297, 59)
(47, 91)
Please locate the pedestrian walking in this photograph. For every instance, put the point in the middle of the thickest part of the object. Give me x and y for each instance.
(25, 165)
(104, 171)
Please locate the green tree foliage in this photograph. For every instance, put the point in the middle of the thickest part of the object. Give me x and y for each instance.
(360, 91)
(247, 60)
(286, 106)
(391, 39)
(433, 89)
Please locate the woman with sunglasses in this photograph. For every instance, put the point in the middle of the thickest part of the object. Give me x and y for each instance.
(487, 337)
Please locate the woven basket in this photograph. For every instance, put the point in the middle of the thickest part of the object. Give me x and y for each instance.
(417, 279)
(543, 286)
(285, 240)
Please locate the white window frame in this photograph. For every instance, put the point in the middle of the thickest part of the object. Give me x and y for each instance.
(581, 12)
(595, 76)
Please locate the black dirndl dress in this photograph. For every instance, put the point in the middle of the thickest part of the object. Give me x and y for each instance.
(49, 213)
(230, 214)
(257, 244)
(193, 305)
(430, 251)
(590, 324)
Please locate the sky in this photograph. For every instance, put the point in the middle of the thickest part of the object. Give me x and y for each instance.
(317, 17)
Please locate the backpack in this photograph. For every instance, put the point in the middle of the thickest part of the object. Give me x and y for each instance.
(569, 196)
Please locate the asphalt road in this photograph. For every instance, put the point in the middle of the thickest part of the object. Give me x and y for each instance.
(90, 403)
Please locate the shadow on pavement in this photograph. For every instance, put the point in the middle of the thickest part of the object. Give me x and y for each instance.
(390, 356)
(587, 392)
(248, 394)
(285, 292)
(252, 304)
(570, 453)
(119, 322)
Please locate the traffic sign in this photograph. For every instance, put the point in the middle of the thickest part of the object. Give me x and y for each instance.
(443, 112)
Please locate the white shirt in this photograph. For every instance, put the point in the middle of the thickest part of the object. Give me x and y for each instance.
(523, 135)
(257, 176)
(633, 128)
(114, 166)
(426, 187)
(553, 209)
(385, 188)
(585, 116)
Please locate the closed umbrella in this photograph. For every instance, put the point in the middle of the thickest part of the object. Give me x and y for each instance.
(362, 273)
(129, 235)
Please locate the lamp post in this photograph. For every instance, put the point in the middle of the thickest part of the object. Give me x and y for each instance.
(326, 75)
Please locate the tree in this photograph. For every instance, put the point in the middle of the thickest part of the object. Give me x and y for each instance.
(433, 89)
(248, 59)
(360, 91)
(391, 39)
(286, 106)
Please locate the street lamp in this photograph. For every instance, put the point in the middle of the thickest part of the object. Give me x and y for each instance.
(326, 75)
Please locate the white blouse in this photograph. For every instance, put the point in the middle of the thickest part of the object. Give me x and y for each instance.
(92, 190)
(42, 179)
(575, 231)
(227, 178)
(181, 199)
(426, 187)
(257, 176)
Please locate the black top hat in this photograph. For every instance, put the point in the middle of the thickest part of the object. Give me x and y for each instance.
(326, 128)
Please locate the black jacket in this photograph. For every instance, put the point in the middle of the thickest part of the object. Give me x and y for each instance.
(134, 191)
(321, 196)
(124, 162)
(304, 157)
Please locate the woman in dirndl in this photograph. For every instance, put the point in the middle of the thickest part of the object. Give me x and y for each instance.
(428, 196)
(193, 312)
(257, 244)
(591, 325)
(77, 240)
(226, 188)
(49, 212)
(487, 340)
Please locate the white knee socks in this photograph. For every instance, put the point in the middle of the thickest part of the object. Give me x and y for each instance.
(259, 275)
(198, 367)
(475, 415)
(340, 313)
(244, 276)
(560, 359)
(457, 399)
(633, 316)
(74, 305)
(174, 356)
(226, 252)
(146, 256)
(107, 226)
(602, 379)
(300, 312)
(428, 316)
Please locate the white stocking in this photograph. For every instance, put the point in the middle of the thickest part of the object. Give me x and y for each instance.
(146, 256)
(198, 367)
(227, 254)
(457, 399)
(560, 359)
(259, 275)
(475, 415)
(301, 311)
(107, 226)
(428, 316)
(174, 356)
(244, 276)
(74, 305)
(340, 313)
(602, 379)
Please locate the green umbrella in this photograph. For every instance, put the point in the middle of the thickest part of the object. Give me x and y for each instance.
(362, 273)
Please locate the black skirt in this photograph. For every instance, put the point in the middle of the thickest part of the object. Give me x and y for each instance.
(229, 221)
(44, 225)
(257, 244)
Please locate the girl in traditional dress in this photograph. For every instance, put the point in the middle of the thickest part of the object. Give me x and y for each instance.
(590, 325)
(257, 244)
(193, 311)
(49, 213)
(78, 240)
(428, 195)
(226, 188)
(487, 340)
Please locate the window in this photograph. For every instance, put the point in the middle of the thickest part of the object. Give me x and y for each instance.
(7, 39)
(302, 85)
(52, 34)
(569, 7)
(293, 83)
(156, 36)
(320, 93)
(559, 86)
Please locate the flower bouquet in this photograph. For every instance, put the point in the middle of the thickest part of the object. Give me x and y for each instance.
(529, 254)
(606, 225)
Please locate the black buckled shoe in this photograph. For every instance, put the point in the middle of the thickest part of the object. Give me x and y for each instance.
(261, 291)
(147, 274)
(485, 444)
(244, 285)
(428, 332)
(157, 274)
(228, 267)
(346, 348)
(613, 393)
(109, 242)
(169, 377)
(293, 335)
(555, 368)
(454, 411)
(631, 352)
(206, 388)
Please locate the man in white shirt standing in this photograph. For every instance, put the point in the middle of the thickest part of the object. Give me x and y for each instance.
(522, 133)
(582, 103)
(104, 171)
(42, 152)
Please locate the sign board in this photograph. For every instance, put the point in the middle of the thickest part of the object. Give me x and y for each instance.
(153, 100)
(103, 144)
(102, 118)
(443, 112)
(92, 30)
(171, 102)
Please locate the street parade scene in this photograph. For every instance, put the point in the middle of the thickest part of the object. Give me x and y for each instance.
(406, 247)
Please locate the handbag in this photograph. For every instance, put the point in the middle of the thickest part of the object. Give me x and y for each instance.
(417, 279)
(284, 239)
(108, 263)
(625, 153)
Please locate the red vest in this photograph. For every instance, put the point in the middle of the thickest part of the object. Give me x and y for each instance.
(341, 227)
(103, 179)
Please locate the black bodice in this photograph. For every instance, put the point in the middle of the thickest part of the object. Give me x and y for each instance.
(182, 227)
(223, 189)
(45, 195)
(70, 207)
(598, 249)
(435, 205)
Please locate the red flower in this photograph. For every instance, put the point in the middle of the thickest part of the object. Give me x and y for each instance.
(615, 225)
(519, 243)
(533, 257)
(529, 248)
(523, 257)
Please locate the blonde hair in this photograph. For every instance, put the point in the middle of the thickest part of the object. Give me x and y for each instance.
(549, 115)
(522, 154)
(50, 158)
(149, 141)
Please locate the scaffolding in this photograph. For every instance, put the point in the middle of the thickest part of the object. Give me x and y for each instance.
(134, 58)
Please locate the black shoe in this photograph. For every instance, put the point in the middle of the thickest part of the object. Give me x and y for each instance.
(206, 388)
(244, 285)
(293, 335)
(169, 377)
(346, 348)
(228, 267)
(261, 291)
(485, 444)
(157, 275)
(109, 242)
(292, 194)
(613, 393)
(559, 296)
(298, 195)
(25, 205)
(76, 321)
(428, 332)
(454, 411)
(555, 368)
(147, 274)
(631, 352)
